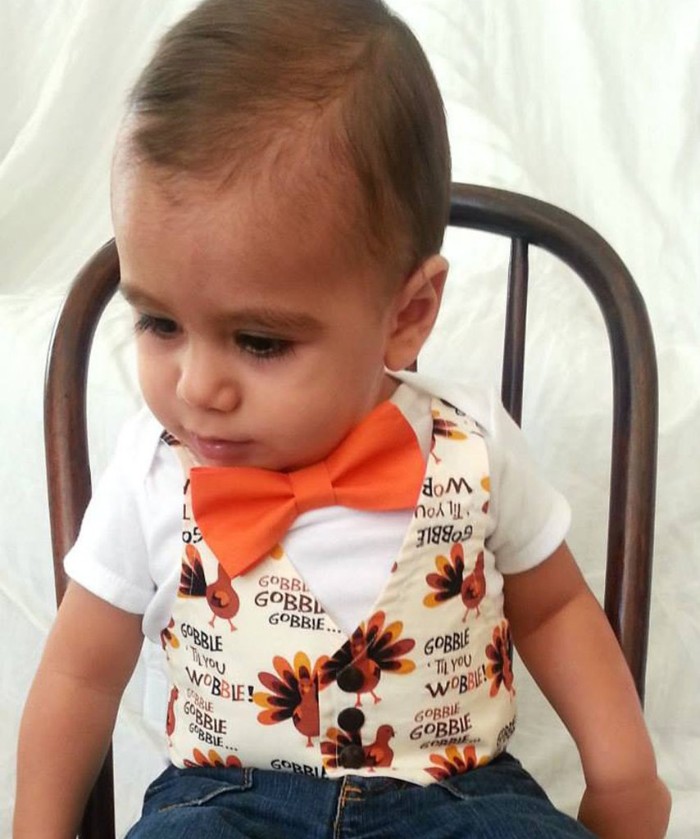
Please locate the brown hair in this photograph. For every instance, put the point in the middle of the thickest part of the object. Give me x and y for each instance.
(237, 77)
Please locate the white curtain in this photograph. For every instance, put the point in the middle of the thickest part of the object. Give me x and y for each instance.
(589, 105)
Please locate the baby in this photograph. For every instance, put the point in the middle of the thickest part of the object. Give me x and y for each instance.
(338, 587)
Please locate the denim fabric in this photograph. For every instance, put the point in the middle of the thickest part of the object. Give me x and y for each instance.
(497, 801)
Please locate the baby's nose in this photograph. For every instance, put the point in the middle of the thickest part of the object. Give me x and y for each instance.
(207, 381)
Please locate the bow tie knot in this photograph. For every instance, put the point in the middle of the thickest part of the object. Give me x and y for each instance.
(243, 512)
(312, 487)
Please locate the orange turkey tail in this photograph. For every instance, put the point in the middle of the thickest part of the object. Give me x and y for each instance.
(192, 580)
(446, 582)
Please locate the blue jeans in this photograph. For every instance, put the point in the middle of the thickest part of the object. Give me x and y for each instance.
(497, 801)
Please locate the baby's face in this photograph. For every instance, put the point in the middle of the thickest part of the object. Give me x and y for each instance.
(256, 345)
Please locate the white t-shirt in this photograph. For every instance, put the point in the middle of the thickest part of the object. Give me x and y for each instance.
(129, 547)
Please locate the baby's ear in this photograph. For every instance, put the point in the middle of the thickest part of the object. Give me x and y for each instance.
(415, 309)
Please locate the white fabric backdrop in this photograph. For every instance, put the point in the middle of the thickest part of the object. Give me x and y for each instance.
(592, 106)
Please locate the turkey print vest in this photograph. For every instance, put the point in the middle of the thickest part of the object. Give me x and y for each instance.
(421, 690)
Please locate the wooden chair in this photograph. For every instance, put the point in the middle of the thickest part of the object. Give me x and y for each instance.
(527, 222)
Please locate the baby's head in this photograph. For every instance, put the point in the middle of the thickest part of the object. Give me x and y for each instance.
(280, 193)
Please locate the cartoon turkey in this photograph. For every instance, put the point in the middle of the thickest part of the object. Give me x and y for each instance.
(379, 753)
(344, 747)
(444, 428)
(170, 716)
(293, 694)
(222, 599)
(449, 581)
(168, 638)
(372, 649)
(455, 762)
(211, 758)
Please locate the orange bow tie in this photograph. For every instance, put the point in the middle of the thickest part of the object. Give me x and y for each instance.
(243, 512)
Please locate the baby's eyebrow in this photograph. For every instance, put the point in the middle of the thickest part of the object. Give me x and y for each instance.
(272, 319)
(135, 295)
(251, 317)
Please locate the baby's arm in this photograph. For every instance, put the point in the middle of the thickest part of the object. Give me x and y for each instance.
(70, 713)
(567, 644)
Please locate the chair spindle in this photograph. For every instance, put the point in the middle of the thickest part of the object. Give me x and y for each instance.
(514, 341)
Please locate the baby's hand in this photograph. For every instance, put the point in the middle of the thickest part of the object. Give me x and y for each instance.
(640, 810)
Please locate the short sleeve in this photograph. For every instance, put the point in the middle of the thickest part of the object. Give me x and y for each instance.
(530, 517)
(110, 556)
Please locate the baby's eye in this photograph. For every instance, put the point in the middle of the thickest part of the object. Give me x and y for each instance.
(262, 346)
(162, 327)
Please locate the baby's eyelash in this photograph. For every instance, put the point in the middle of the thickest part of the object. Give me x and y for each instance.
(162, 327)
(257, 347)
(263, 347)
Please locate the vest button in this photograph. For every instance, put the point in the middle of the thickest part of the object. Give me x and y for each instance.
(351, 719)
(351, 757)
(350, 679)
